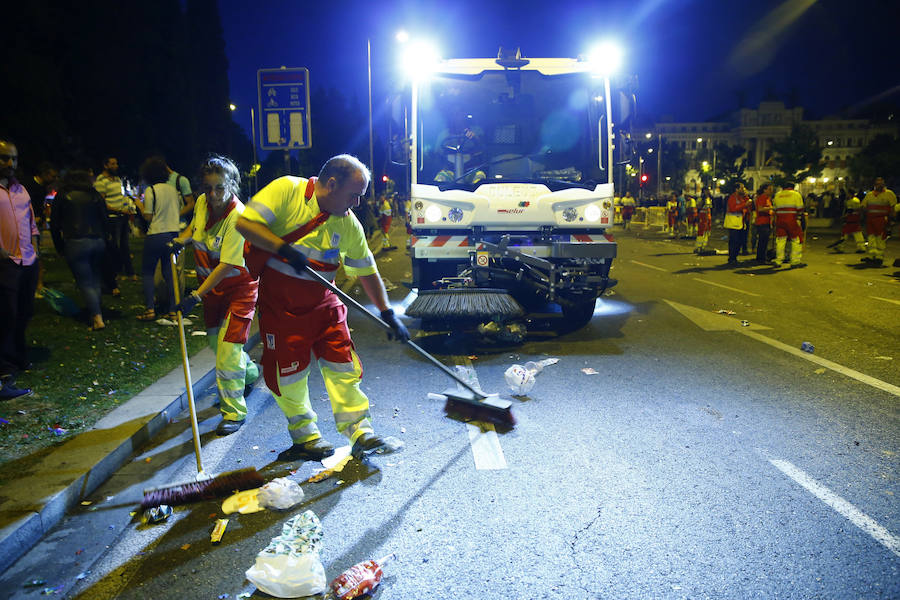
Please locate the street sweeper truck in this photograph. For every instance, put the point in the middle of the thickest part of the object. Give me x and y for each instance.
(511, 191)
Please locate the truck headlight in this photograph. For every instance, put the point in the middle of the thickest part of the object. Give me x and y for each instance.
(570, 214)
(433, 213)
(592, 213)
(455, 215)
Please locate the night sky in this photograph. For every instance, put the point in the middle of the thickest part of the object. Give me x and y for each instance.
(691, 57)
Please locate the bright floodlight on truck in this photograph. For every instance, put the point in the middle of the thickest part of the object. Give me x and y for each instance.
(419, 60)
(605, 58)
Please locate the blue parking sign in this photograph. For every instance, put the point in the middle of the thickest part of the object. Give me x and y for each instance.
(284, 108)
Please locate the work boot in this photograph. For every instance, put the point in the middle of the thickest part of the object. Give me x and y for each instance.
(799, 265)
(227, 427)
(316, 449)
(369, 443)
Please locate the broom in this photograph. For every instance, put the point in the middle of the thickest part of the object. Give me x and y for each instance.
(481, 303)
(469, 403)
(205, 487)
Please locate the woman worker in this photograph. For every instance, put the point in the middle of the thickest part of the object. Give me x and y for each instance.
(227, 290)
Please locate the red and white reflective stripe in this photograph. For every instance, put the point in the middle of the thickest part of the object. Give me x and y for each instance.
(786, 210)
(584, 238)
(440, 241)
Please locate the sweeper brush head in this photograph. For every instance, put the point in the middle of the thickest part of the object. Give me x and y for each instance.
(465, 303)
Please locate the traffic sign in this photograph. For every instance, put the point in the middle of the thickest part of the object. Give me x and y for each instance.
(283, 108)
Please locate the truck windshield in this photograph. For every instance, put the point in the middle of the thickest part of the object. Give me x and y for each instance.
(512, 126)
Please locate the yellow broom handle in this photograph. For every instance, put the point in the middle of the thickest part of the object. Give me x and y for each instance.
(187, 367)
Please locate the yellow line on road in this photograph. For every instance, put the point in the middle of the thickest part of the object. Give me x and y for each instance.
(727, 287)
(886, 300)
(648, 266)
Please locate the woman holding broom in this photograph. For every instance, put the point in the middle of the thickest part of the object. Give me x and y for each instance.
(227, 290)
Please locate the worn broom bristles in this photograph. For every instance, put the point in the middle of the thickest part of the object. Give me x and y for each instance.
(196, 491)
(489, 410)
(480, 303)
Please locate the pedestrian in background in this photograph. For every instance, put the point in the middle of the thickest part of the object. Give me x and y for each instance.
(41, 189)
(118, 212)
(160, 207)
(307, 223)
(878, 206)
(734, 221)
(227, 289)
(763, 222)
(789, 212)
(704, 222)
(19, 264)
(672, 214)
(78, 224)
(627, 210)
(851, 228)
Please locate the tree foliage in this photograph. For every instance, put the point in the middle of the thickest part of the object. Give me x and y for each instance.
(674, 164)
(879, 159)
(729, 165)
(798, 156)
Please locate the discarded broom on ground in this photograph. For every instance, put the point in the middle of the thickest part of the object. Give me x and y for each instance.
(205, 487)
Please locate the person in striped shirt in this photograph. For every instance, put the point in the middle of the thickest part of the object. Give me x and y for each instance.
(119, 209)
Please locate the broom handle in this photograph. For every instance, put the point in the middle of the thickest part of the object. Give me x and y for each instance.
(189, 389)
(379, 321)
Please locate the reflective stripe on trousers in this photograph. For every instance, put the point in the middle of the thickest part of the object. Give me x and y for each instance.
(796, 249)
(234, 370)
(349, 404)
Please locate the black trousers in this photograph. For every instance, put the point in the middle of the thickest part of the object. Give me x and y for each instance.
(762, 242)
(118, 231)
(17, 287)
(735, 240)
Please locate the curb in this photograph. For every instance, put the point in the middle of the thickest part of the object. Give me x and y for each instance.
(17, 538)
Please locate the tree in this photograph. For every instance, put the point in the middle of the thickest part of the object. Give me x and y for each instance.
(729, 165)
(674, 164)
(798, 156)
(881, 158)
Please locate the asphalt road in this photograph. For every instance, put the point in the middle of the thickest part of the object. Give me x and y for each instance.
(703, 459)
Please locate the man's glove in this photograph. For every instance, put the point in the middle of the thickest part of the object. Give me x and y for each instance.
(398, 329)
(188, 303)
(175, 247)
(294, 257)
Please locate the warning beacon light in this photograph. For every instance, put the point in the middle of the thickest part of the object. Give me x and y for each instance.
(605, 58)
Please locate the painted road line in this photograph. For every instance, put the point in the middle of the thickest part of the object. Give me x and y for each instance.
(867, 379)
(709, 321)
(486, 449)
(648, 266)
(727, 287)
(853, 514)
(886, 300)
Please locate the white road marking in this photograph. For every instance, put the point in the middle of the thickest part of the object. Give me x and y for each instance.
(853, 514)
(867, 379)
(886, 299)
(648, 266)
(486, 449)
(727, 287)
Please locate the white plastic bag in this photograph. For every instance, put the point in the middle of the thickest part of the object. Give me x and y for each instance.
(519, 379)
(281, 493)
(289, 567)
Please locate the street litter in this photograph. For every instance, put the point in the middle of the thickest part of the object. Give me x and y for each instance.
(609, 293)
(289, 567)
(281, 494)
(807, 347)
(157, 514)
(745, 323)
(218, 531)
(590, 371)
(819, 371)
(57, 430)
(521, 379)
(34, 583)
(723, 311)
(884, 358)
(337, 467)
(244, 502)
(362, 578)
(198, 333)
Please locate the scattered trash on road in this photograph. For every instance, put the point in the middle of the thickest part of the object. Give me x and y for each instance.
(198, 333)
(521, 379)
(725, 311)
(807, 347)
(362, 578)
(280, 494)
(34, 583)
(289, 567)
(745, 323)
(590, 371)
(244, 502)
(819, 371)
(218, 531)
(157, 514)
(884, 358)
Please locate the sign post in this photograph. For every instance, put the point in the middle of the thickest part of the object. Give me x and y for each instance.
(284, 109)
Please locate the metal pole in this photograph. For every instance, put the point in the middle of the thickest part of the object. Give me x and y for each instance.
(253, 140)
(371, 126)
(659, 165)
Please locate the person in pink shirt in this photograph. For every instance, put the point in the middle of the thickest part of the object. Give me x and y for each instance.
(19, 242)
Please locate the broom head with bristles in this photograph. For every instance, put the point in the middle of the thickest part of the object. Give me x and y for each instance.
(197, 491)
(465, 303)
(488, 409)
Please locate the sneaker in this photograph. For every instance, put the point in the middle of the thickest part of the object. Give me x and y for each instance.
(316, 449)
(9, 391)
(227, 427)
(369, 443)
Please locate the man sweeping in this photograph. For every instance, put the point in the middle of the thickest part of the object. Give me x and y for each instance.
(308, 222)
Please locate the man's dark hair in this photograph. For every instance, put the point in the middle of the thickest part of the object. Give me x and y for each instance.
(78, 179)
(221, 165)
(153, 170)
(342, 167)
(45, 167)
(107, 158)
(789, 185)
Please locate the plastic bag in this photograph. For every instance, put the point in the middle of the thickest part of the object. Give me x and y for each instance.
(281, 493)
(289, 567)
(521, 379)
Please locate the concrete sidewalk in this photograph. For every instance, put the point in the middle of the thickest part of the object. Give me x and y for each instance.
(53, 481)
